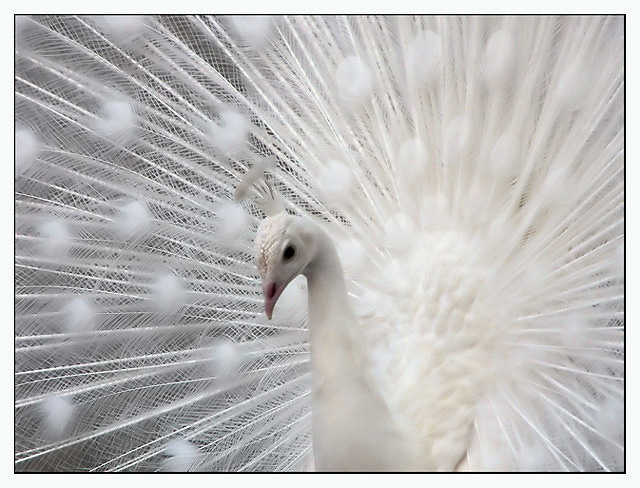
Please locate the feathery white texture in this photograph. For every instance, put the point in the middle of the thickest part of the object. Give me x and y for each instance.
(503, 158)
(21, 22)
(480, 228)
(267, 199)
(400, 233)
(457, 140)
(616, 262)
(352, 255)
(610, 418)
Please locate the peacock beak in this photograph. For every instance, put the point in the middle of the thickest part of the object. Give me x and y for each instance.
(271, 291)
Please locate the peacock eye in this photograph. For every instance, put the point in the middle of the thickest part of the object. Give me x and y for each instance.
(289, 252)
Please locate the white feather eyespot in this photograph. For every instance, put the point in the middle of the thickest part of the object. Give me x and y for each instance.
(498, 63)
(132, 220)
(413, 161)
(57, 415)
(354, 81)
(229, 132)
(424, 57)
(56, 238)
(336, 183)
(116, 121)
(79, 315)
(124, 29)
(572, 87)
(167, 294)
(27, 148)
(253, 30)
(232, 226)
(181, 455)
(224, 359)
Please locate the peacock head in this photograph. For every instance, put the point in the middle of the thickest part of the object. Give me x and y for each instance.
(284, 243)
(284, 247)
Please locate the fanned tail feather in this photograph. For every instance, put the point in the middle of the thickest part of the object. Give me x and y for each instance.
(470, 170)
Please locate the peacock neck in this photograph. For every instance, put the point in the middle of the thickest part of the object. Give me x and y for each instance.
(331, 320)
(325, 281)
(352, 429)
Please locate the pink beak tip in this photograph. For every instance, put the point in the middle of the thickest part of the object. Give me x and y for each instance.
(270, 296)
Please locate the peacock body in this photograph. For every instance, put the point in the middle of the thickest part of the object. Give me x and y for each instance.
(466, 172)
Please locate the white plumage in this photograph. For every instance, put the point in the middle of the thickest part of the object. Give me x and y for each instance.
(453, 194)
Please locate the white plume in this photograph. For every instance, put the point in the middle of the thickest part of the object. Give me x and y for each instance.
(469, 171)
